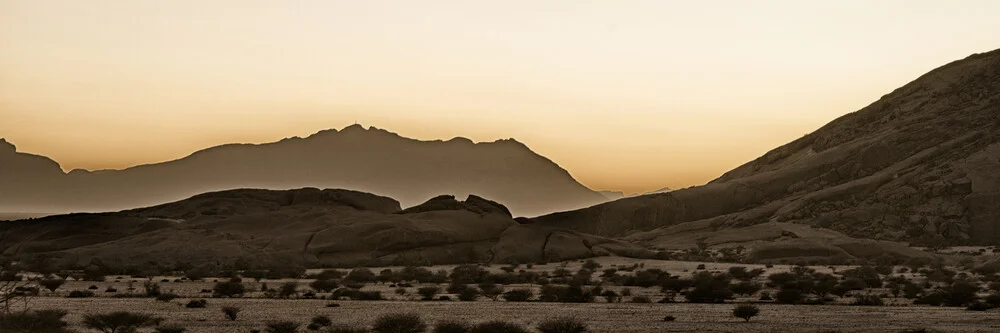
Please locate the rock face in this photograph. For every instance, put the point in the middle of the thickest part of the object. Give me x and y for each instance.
(309, 226)
(918, 165)
(371, 160)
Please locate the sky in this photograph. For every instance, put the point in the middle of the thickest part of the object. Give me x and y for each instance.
(626, 95)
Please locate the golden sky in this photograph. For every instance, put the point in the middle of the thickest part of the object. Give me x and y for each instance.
(626, 95)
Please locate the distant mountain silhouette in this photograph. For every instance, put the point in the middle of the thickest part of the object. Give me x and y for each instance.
(613, 195)
(920, 165)
(316, 228)
(658, 191)
(370, 160)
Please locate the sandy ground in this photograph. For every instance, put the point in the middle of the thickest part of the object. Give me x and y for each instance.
(601, 317)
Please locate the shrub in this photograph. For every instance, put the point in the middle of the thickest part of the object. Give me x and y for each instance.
(961, 293)
(498, 326)
(745, 288)
(934, 299)
(281, 327)
(288, 289)
(457, 288)
(518, 295)
(399, 323)
(170, 329)
(92, 287)
(978, 306)
(332, 305)
(993, 299)
(669, 318)
(709, 288)
(52, 284)
(641, 299)
(152, 289)
(166, 297)
(468, 294)
(700, 267)
(196, 304)
(611, 296)
(868, 300)
(789, 294)
(562, 325)
(120, 321)
(113, 290)
(80, 294)
(44, 321)
(319, 322)
(232, 288)
(745, 311)
(428, 292)
(231, 312)
(357, 295)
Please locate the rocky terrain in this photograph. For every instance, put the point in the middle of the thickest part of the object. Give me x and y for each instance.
(370, 160)
(308, 226)
(920, 165)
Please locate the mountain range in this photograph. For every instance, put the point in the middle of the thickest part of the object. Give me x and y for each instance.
(920, 166)
(371, 160)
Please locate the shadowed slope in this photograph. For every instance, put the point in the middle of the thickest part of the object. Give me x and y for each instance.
(920, 164)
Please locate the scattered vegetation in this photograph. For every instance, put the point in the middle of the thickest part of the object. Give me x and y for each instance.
(119, 322)
(399, 323)
(562, 325)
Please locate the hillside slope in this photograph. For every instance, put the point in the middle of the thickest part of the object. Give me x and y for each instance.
(370, 160)
(921, 164)
(308, 226)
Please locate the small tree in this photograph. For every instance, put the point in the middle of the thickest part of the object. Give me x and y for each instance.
(491, 290)
(121, 321)
(231, 312)
(399, 323)
(428, 292)
(562, 325)
(52, 284)
(289, 289)
(746, 312)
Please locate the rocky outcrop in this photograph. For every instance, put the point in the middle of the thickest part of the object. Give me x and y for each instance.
(309, 226)
(919, 165)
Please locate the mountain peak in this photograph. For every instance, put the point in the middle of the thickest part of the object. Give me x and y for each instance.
(7, 146)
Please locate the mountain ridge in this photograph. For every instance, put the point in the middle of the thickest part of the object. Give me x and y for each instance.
(371, 160)
(917, 165)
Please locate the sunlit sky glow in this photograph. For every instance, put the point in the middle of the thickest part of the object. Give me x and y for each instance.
(626, 95)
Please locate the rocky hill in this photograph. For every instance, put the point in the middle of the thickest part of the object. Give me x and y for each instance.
(920, 165)
(308, 226)
(370, 160)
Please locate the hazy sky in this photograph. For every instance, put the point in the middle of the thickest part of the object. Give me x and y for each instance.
(629, 95)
